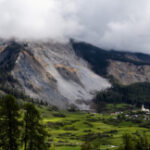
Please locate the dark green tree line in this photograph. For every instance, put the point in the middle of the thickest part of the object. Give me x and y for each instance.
(34, 134)
(9, 124)
(139, 141)
(13, 129)
(135, 94)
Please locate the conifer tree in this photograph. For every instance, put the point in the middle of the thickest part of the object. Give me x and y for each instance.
(135, 142)
(9, 123)
(142, 142)
(34, 134)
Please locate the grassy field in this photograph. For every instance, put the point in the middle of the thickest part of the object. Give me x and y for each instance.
(69, 130)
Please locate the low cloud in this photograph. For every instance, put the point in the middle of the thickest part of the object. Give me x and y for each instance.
(111, 24)
(38, 19)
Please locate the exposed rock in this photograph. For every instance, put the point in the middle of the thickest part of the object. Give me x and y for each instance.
(68, 73)
(127, 73)
(52, 72)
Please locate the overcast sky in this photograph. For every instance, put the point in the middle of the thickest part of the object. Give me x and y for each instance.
(111, 24)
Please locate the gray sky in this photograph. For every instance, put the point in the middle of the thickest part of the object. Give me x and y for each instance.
(111, 24)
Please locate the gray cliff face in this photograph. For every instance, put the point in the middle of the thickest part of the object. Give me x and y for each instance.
(52, 72)
(127, 73)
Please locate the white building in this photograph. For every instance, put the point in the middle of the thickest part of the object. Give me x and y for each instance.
(144, 109)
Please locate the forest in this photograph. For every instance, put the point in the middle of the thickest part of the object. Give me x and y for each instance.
(28, 126)
(135, 94)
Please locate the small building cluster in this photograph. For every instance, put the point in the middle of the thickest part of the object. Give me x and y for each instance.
(143, 109)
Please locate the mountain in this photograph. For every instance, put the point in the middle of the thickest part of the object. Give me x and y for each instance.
(49, 72)
(68, 74)
(124, 67)
(129, 74)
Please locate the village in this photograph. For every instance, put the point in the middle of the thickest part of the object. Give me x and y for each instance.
(143, 114)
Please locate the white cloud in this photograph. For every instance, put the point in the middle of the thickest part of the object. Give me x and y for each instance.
(112, 24)
(38, 19)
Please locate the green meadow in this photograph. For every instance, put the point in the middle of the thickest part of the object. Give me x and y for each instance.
(69, 130)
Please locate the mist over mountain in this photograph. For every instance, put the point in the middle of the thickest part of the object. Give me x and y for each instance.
(110, 24)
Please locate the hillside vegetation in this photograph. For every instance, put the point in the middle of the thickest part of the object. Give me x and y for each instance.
(135, 95)
(46, 127)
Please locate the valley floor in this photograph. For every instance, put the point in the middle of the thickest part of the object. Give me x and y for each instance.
(69, 130)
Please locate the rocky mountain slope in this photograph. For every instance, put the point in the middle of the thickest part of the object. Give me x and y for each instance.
(50, 72)
(124, 67)
(68, 74)
(129, 73)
